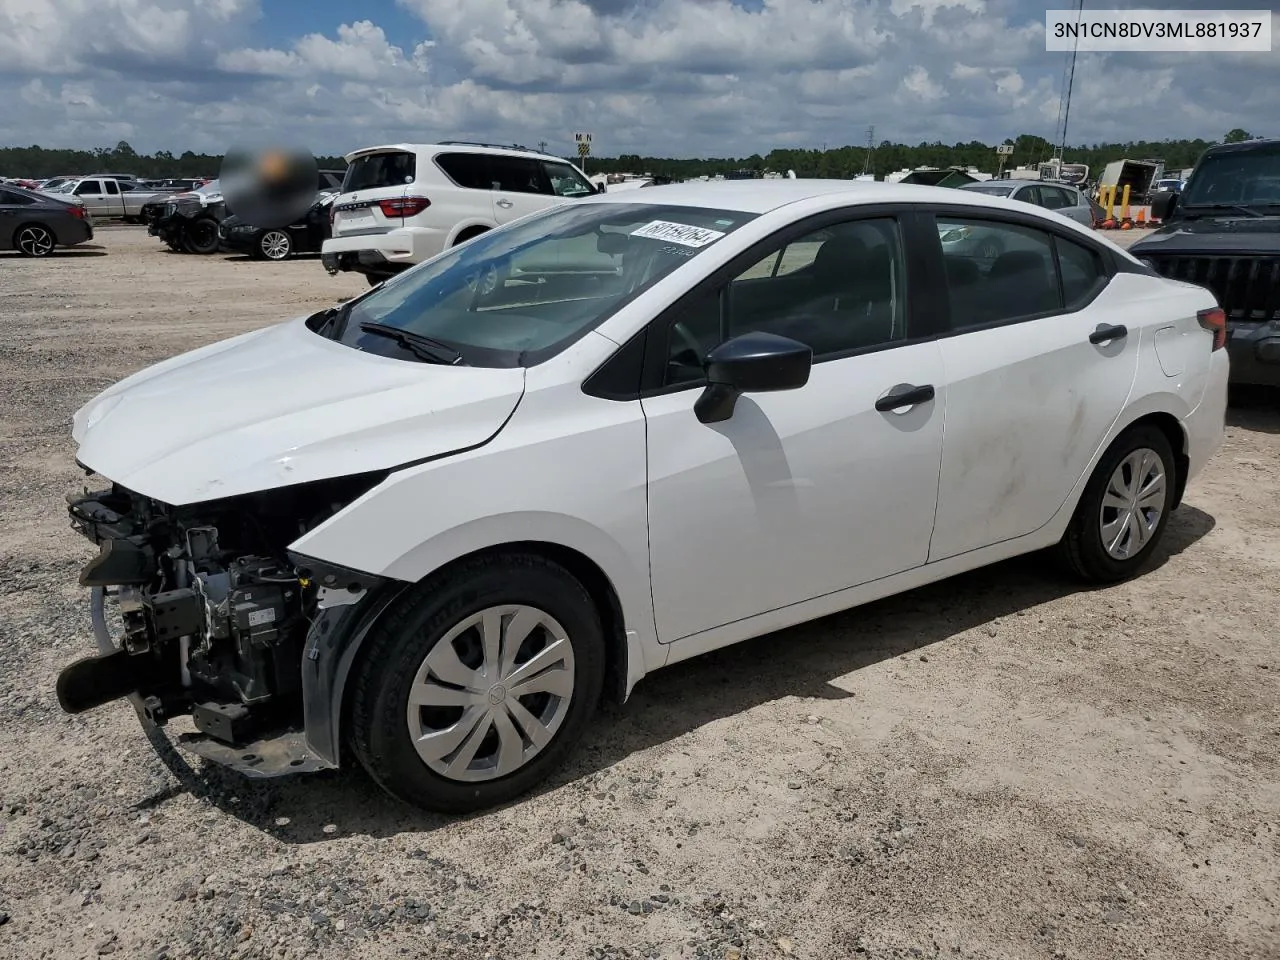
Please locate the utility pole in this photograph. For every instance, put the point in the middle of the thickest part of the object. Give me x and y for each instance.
(1064, 105)
(542, 146)
(871, 145)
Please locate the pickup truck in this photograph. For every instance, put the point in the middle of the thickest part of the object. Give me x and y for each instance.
(104, 197)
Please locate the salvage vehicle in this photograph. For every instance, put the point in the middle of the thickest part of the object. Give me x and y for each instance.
(35, 223)
(107, 197)
(1222, 231)
(404, 203)
(431, 527)
(279, 243)
(188, 222)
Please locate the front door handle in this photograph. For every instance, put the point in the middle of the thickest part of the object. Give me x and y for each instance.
(505, 203)
(905, 395)
(1106, 332)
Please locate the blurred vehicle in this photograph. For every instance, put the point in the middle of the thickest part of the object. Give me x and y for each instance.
(106, 197)
(34, 223)
(280, 243)
(1168, 185)
(1222, 232)
(404, 203)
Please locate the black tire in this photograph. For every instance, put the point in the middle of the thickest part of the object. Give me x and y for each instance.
(1081, 548)
(201, 236)
(409, 631)
(471, 234)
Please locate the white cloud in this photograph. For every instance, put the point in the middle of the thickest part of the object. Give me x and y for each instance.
(673, 77)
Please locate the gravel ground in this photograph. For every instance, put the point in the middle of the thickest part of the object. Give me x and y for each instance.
(994, 766)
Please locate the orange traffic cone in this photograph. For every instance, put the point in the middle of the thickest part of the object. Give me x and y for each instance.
(1142, 217)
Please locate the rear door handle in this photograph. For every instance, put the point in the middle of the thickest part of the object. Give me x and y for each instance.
(504, 203)
(905, 395)
(1106, 332)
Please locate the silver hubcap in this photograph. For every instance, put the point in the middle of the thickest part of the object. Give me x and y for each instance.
(1133, 503)
(275, 245)
(35, 241)
(492, 693)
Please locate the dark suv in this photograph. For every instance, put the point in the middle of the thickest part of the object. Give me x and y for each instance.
(1223, 232)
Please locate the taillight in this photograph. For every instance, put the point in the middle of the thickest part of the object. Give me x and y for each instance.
(1215, 321)
(76, 211)
(333, 214)
(403, 206)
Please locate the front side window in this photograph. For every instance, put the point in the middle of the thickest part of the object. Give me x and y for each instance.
(997, 271)
(566, 181)
(520, 294)
(87, 188)
(838, 290)
(1029, 195)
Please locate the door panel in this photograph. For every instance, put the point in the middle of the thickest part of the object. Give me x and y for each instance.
(90, 193)
(1028, 403)
(798, 494)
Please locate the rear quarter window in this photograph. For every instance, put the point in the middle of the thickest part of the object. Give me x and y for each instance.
(469, 170)
(389, 169)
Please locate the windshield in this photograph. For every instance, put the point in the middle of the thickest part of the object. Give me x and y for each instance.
(520, 294)
(992, 189)
(213, 186)
(1246, 176)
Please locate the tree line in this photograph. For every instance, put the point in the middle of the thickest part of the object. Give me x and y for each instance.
(38, 162)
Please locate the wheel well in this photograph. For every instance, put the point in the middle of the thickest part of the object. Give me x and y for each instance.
(13, 241)
(598, 586)
(469, 234)
(1168, 424)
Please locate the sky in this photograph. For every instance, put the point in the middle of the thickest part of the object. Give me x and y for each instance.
(678, 78)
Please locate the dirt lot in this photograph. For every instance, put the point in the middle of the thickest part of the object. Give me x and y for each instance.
(996, 766)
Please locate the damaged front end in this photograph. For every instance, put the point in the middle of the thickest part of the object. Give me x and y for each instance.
(219, 621)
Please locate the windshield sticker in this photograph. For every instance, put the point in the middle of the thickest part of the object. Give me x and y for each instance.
(680, 233)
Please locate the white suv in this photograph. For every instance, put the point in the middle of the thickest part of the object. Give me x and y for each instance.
(404, 203)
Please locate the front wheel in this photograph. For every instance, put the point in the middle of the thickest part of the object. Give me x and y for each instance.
(201, 236)
(1124, 509)
(474, 688)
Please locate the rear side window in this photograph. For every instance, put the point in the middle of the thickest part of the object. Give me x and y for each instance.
(113, 188)
(13, 198)
(1082, 272)
(393, 168)
(470, 170)
(997, 272)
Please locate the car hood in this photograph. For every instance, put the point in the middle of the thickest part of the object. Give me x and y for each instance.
(282, 406)
(1216, 235)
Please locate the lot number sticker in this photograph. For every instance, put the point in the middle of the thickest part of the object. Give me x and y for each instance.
(680, 233)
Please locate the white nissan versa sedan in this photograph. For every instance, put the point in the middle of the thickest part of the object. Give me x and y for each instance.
(436, 524)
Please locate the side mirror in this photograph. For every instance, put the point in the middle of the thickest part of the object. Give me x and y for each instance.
(751, 363)
(600, 187)
(1162, 205)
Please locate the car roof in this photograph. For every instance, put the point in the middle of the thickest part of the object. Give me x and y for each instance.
(1244, 146)
(442, 147)
(764, 196)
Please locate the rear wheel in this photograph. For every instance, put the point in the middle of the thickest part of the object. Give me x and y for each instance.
(34, 240)
(475, 687)
(275, 245)
(1124, 509)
